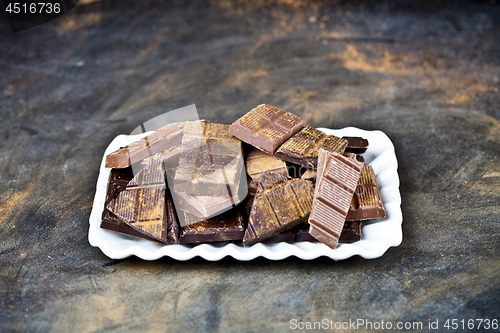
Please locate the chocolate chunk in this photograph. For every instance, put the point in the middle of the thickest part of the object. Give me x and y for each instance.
(310, 174)
(164, 138)
(224, 227)
(302, 148)
(257, 162)
(278, 207)
(285, 236)
(335, 185)
(366, 203)
(356, 144)
(351, 232)
(302, 233)
(266, 127)
(211, 161)
(141, 205)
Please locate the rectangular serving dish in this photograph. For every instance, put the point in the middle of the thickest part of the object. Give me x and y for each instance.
(377, 235)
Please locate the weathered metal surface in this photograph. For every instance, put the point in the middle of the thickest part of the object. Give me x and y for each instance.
(425, 74)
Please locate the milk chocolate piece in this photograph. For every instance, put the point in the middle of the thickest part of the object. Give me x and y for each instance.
(278, 207)
(266, 127)
(285, 236)
(302, 148)
(351, 232)
(356, 144)
(366, 202)
(224, 227)
(211, 161)
(337, 180)
(141, 205)
(164, 138)
(257, 162)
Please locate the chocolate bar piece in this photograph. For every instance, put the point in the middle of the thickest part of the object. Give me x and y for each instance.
(278, 207)
(266, 127)
(257, 162)
(164, 138)
(118, 180)
(285, 236)
(351, 232)
(141, 205)
(302, 148)
(302, 233)
(211, 161)
(366, 202)
(224, 227)
(310, 174)
(337, 180)
(356, 144)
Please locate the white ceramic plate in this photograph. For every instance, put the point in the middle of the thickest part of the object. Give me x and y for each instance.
(377, 235)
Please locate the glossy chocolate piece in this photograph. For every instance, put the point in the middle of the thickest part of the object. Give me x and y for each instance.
(356, 144)
(278, 207)
(164, 138)
(303, 147)
(211, 161)
(335, 185)
(257, 162)
(224, 227)
(141, 205)
(366, 203)
(266, 127)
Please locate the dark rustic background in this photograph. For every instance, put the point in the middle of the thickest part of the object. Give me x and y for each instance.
(426, 73)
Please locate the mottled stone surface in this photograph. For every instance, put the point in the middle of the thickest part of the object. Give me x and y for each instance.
(425, 73)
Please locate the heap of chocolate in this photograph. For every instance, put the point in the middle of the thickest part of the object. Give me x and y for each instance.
(332, 194)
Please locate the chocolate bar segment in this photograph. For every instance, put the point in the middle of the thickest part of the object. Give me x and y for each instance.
(211, 161)
(257, 162)
(285, 236)
(141, 205)
(266, 127)
(356, 144)
(351, 232)
(335, 186)
(303, 147)
(164, 138)
(228, 226)
(366, 202)
(278, 207)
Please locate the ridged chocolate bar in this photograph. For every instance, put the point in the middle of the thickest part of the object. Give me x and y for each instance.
(164, 138)
(356, 145)
(337, 180)
(257, 162)
(228, 226)
(211, 161)
(266, 127)
(141, 205)
(303, 147)
(278, 207)
(366, 203)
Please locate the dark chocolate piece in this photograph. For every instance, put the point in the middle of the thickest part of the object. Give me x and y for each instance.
(302, 233)
(285, 236)
(224, 227)
(335, 185)
(310, 174)
(302, 148)
(164, 138)
(266, 127)
(278, 207)
(351, 232)
(141, 205)
(211, 161)
(356, 144)
(366, 203)
(257, 162)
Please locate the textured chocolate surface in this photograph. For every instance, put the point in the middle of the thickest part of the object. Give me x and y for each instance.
(211, 161)
(257, 162)
(266, 127)
(337, 180)
(278, 207)
(302, 148)
(164, 138)
(228, 226)
(356, 144)
(141, 205)
(366, 203)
